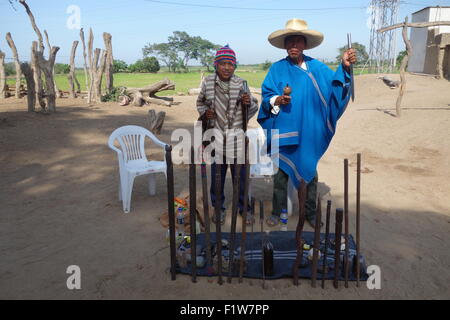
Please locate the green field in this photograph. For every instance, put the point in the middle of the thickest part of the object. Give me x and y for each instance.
(183, 81)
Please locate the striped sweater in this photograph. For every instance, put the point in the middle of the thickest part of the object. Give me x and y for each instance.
(227, 105)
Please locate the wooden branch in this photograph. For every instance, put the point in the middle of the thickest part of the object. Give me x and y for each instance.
(58, 95)
(109, 62)
(37, 74)
(47, 67)
(414, 25)
(2, 76)
(91, 66)
(97, 74)
(162, 85)
(155, 121)
(403, 68)
(33, 24)
(72, 76)
(12, 45)
(162, 102)
(86, 77)
(150, 91)
(31, 92)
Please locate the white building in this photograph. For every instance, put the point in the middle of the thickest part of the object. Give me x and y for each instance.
(431, 46)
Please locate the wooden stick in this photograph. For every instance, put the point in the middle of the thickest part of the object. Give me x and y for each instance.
(316, 242)
(171, 209)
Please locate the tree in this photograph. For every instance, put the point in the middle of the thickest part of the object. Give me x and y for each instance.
(164, 52)
(119, 66)
(180, 49)
(266, 65)
(148, 64)
(10, 69)
(186, 46)
(400, 57)
(361, 53)
(62, 68)
(206, 52)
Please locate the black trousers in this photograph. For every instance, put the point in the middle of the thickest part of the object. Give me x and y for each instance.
(280, 194)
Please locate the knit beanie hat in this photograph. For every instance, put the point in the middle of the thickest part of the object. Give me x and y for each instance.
(225, 53)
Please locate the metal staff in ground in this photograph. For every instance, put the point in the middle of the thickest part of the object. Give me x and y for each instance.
(192, 215)
(337, 247)
(298, 233)
(170, 207)
(206, 215)
(347, 247)
(325, 255)
(316, 243)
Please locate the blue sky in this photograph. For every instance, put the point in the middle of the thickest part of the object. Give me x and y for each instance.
(135, 23)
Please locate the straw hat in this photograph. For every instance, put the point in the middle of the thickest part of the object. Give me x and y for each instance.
(296, 27)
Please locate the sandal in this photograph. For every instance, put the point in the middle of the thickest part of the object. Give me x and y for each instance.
(223, 215)
(273, 220)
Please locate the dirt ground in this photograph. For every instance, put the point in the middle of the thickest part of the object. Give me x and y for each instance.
(59, 204)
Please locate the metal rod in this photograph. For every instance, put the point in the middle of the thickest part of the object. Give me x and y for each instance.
(337, 246)
(234, 212)
(171, 210)
(346, 257)
(244, 212)
(252, 212)
(218, 208)
(261, 222)
(352, 88)
(192, 215)
(316, 242)
(325, 255)
(299, 230)
(358, 231)
(206, 214)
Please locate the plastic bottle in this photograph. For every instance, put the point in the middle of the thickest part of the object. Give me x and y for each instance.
(268, 256)
(180, 226)
(283, 220)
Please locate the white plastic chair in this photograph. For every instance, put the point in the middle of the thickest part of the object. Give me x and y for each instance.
(264, 167)
(133, 162)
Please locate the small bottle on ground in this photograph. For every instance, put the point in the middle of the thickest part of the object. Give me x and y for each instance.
(283, 220)
(180, 226)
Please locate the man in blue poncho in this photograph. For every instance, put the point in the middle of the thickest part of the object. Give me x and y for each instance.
(306, 116)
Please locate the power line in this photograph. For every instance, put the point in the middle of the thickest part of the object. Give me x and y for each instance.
(249, 8)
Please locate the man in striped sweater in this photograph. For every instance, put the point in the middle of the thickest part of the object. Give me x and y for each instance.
(220, 105)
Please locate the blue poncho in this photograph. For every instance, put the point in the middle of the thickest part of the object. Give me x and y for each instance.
(306, 125)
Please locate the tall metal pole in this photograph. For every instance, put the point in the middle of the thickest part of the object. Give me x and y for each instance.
(171, 209)
(192, 215)
(358, 231)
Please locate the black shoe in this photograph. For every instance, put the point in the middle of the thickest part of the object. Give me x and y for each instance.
(312, 221)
